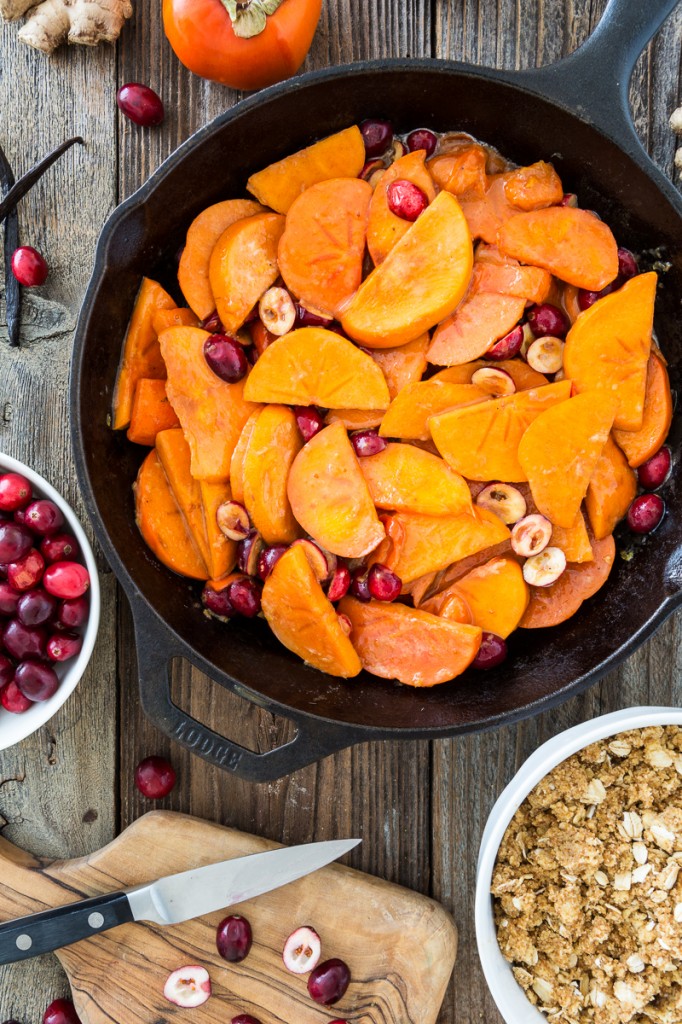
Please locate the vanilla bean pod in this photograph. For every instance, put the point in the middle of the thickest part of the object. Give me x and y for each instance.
(28, 180)
(11, 242)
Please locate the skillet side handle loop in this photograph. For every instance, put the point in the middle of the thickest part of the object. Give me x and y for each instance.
(156, 648)
(594, 80)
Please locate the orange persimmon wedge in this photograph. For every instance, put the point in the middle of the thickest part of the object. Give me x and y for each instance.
(141, 354)
(403, 365)
(211, 412)
(243, 265)
(461, 169)
(523, 375)
(477, 323)
(151, 412)
(321, 251)
(161, 522)
(548, 606)
(329, 496)
(384, 228)
(202, 237)
(237, 460)
(412, 646)
(174, 454)
(313, 366)
(449, 604)
(612, 487)
(607, 348)
(409, 412)
(534, 187)
(180, 317)
(640, 445)
(407, 479)
(559, 452)
(570, 243)
(338, 156)
(222, 552)
(356, 419)
(274, 443)
(494, 272)
(302, 618)
(422, 279)
(486, 213)
(481, 441)
(573, 540)
(495, 594)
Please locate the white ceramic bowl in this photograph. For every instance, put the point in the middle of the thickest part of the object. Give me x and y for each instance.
(14, 728)
(508, 995)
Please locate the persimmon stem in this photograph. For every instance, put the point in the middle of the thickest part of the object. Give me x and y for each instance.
(249, 17)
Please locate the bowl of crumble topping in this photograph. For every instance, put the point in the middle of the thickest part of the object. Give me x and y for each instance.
(579, 888)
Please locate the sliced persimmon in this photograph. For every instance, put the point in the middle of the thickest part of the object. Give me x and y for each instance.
(222, 552)
(494, 272)
(174, 454)
(302, 618)
(403, 365)
(180, 317)
(356, 419)
(151, 412)
(418, 649)
(237, 460)
(141, 354)
(384, 228)
(211, 412)
(573, 540)
(161, 522)
(329, 496)
(559, 452)
(495, 594)
(607, 348)
(461, 170)
(523, 375)
(448, 604)
(338, 156)
(481, 441)
(202, 237)
(313, 366)
(612, 487)
(408, 479)
(431, 584)
(422, 279)
(273, 445)
(477, 323)
(548, 606)
(640, 445)
(409, 412)
(486, 213)
(534, 187)
(572, 244)
(243, 265)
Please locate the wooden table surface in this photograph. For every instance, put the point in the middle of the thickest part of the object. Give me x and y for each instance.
(420, 807)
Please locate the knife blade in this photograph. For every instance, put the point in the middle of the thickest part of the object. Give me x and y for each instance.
(168, 900)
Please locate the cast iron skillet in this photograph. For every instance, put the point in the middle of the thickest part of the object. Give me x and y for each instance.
(575, 113)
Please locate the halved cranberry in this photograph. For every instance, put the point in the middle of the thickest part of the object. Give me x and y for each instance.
(63, 646)
(507, 347)
(268, 559)
(359, 585)
(645, 513)
(66, 579)
(304, 318)
(36, 681)
(43, 517)
(36, 607)
(329, 981)
(73, 613)
(24, 641)
(302, 950)
(29, 267)
(217, 602)
(569, 199)
(546, 319)
(308, 420)
(9, 599)
(59, 547)
(61, 1011)
(377, 134)
(15, 492)
(27, 572)
(367, 442)
(12, 699)
(248, 553)
(188, 986)
(140, 104)
(6, 670)
(492, 652)
(212, 323)
(383, 583)
(406, 200)
(245, 596)
(155, 777)
(225, 357)
(234, 938)
(15, 540)
(339, 583)
(422, 138)
(655, 471)
(627, 264)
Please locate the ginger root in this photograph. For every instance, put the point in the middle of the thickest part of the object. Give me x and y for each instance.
(53, 22)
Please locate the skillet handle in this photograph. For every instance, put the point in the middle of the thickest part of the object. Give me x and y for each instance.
(593, 81)
(156, 647)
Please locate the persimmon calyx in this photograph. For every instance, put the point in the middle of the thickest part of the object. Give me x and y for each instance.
(249, 17)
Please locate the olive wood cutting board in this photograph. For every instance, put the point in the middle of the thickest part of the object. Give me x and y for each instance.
(399, 945)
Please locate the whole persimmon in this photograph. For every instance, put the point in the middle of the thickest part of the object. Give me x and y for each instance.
(246, 45)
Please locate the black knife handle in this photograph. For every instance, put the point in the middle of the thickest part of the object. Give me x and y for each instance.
(52, 929)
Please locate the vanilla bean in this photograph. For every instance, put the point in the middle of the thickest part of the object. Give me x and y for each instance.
(28, 180)
(11, 242)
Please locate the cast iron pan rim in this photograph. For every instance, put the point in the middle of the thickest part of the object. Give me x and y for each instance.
(519, 80)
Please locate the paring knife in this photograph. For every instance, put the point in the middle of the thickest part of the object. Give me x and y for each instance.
(169, 900)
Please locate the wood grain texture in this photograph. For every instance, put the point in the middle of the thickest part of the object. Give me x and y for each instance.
(400, 946)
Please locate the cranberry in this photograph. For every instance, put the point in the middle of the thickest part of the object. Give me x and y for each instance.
(378, 135)
(545, 319)
(569, 199)
(244, 1018)
(36, 607)
(308, 420)
(59, 547)
(245, 596)
(74, 613)
(66, 579)
(304, 318)
(155, 777)
(627, 265)
(492, 652)
(422, 138)
(217, 602)
(587, 299)
(27, 572)
(655, 471)
(44, 517)
(15, 492)
(507, 347)
(268, 559)
(12, 699)
(20, 516)
(234, 938)
(339, 584)
(383, 583)
(141, 104)
(405, 199)
(302, 950)
(6, 670)
(36, 680)
(248, 553)
(225, 357)
(9, 599)
(61, 1011)
(15, 541)
(328, 982)
(645, 513)
(212, 323)
(359, 585)
(367, 442)
(29, 267)
(63, 646)
(24, 641)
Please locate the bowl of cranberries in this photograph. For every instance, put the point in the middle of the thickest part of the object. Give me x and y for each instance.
(49, 601)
